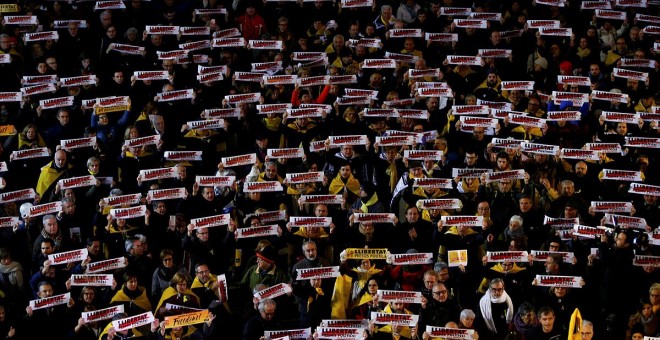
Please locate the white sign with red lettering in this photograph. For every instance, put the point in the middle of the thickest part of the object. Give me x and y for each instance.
(102, 314)
(76, 143)
(304, 177)
(471, 23)
(261, 231)
(29, 153)
(399, 296)
(317, 273)
(505, 175)
(77, 182)
(464, 60)
(421, 155)
(267, 186)
(95, 280)
(163, 30)
(166, 194)
(51, 301)
(160, 173)
(43, 209)
(356, 3)
(247, 159)
(441, 203)
(183, 155)
(133, 321)
(303, 221)
(125, 213)
(409, 320)
(219, 181)
(40, 36)
(68, 256)
(106, 265)
(348, 140)
(622, 175)
(210, 221)
(644, 189)
(557, 32)
(373, 217)
(322, 199)
(56, 102)
(273, 291)
(628, 74)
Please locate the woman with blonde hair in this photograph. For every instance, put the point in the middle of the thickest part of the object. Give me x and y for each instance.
(178, 293)
(30, 138)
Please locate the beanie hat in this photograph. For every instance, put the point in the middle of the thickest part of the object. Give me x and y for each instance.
(566, 66)
(267, 254)
(541, 62)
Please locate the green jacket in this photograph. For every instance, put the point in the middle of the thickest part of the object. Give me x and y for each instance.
(273, 277)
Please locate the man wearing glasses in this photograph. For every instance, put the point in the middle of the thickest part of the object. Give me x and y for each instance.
(440, 309)
(496, 309)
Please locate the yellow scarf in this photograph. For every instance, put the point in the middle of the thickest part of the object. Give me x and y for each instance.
(136, 333)
(426, 215)
(22, 141)
(419, 191)
(394, 175)
(272, 124)
(404, 332)
(47, 177)
(141, 301)
(169, 292)
(483, 287)
(337, 185)
(261, 178)
(365, 206)
(198, 284)
(200, 134)
(311, 188)
(319, 292)
(364, 276)
(528, 134)
(142, 153)
(302, 231)
(364, 299)
(583, 52)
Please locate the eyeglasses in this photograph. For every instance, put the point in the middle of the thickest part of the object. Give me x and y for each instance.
(202, 272)
(440, 292)
(497, 289)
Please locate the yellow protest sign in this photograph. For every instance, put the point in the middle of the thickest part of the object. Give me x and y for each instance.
(186, 319)
(9, 8)
(101, 110)
(457, 257)
(7, 130)
(361, 253)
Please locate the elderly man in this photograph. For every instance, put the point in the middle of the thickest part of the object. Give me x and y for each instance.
(52, 231)
(496, 310)
(255, 327)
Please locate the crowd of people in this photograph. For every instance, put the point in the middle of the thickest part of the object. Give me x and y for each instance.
(487, 166)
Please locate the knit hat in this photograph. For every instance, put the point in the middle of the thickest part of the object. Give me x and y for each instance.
(541, 62)
(566, 66)
(267, 254)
